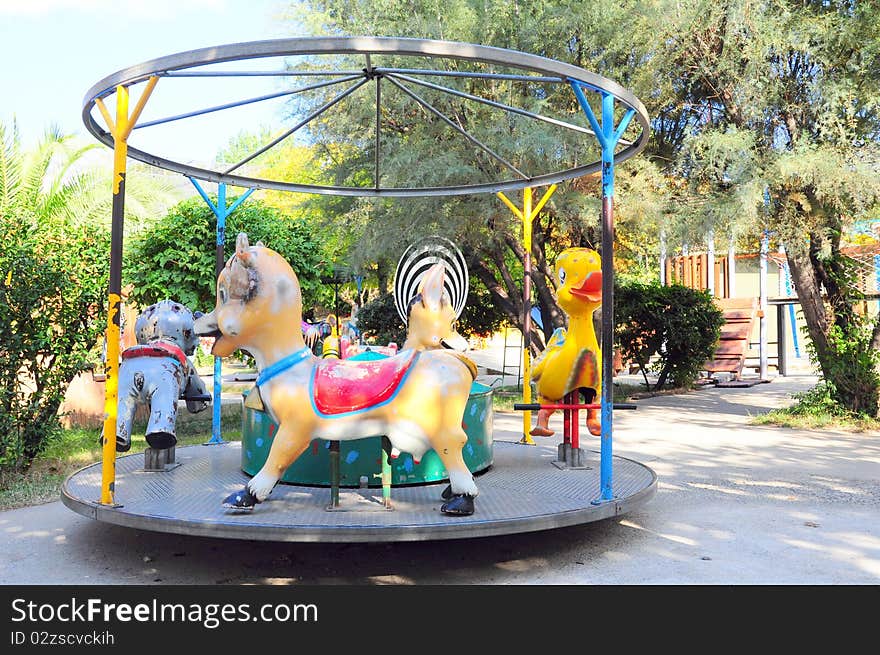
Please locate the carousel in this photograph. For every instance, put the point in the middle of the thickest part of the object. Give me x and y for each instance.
(367, 445)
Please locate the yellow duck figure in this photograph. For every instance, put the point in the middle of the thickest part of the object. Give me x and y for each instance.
(572, 359)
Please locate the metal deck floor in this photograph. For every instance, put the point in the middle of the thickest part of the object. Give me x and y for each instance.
(523, 491)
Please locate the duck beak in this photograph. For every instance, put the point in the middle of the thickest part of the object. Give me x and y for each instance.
(590, 289)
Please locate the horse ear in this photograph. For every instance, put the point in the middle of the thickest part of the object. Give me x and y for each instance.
(241, 243)
(242, 246)
(431, 287)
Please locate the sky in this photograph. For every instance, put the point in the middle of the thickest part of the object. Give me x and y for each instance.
(53, 51)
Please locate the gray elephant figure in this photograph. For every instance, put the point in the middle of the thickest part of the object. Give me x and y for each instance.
(157, 371)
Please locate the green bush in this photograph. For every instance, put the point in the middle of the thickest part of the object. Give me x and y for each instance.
(678, 325)
(53, 284)
(819, 401)
(175, 258)
(850, 370)
(480, 317)
(379, 323)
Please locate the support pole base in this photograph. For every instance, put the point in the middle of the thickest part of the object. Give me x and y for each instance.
(360, 500)
(571, 458)
(159, 460)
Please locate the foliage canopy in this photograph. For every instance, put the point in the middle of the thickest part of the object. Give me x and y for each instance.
(53, 280)
(175, 257)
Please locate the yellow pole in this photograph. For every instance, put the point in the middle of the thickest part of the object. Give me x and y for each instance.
(527, 214)
(111, 388)
(120, 129)
(527, 312)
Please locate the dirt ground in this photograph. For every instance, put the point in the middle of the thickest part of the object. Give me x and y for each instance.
(735, 504)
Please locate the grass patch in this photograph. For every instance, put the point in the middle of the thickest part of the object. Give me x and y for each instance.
(504, 397)
(236, 387)
(784, 419)
(817, 409)
(79, 447)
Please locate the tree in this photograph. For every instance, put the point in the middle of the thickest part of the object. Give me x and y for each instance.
(175, 258)
(777, 104)
(418, 146)
(764, 117)
(53, 281)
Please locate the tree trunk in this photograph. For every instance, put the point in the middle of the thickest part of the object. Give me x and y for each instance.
(506, 292)
(809, 293)
(541, 273)
(545, 282)
(847, 360)
(383, 272)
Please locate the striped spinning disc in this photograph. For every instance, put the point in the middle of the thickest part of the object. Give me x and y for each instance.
(416, 261)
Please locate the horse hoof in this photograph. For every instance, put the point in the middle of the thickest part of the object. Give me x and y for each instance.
(242, 500)
(459, 505)
(541, 432)
(122, 446)
(447, 492)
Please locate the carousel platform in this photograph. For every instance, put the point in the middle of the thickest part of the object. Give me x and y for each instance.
(525, 490)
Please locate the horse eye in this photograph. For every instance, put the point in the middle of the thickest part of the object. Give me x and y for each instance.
(222, 293)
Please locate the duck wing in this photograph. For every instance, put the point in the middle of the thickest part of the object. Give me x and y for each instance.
(585, 372)
(556, 340)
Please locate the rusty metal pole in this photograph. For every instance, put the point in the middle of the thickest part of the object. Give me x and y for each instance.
(120, 128)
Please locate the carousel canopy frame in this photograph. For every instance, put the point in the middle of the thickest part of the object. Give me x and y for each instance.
(534, 69)
(607, 130)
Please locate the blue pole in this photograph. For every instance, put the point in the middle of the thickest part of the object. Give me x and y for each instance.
(221, 211)
(877, 271)
(608, 136)
(791, 316)
(221, 214)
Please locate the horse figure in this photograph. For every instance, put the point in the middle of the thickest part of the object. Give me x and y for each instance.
(416, 398)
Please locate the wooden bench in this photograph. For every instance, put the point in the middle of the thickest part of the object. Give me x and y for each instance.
(739, 319)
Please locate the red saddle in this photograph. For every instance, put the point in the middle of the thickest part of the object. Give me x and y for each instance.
(340, 386)
(155, 349)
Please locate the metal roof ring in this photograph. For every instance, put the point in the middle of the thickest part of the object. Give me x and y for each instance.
(529, 67)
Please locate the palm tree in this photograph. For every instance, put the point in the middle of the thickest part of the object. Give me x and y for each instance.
(63, 179)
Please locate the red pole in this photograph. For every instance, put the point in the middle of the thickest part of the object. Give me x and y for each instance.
(566, 421)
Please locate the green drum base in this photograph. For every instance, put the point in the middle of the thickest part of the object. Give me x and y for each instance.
(360, 460)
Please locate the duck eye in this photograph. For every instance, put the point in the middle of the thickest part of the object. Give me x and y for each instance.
(561, 276)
